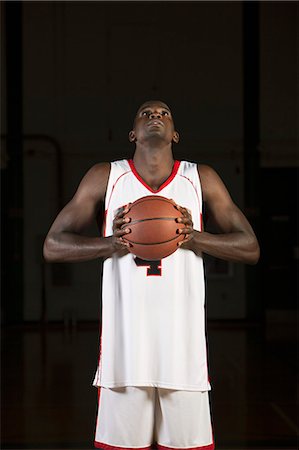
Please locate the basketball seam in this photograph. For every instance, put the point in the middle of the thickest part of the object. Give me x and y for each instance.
(149, 198)
(153, 243)
(134, 222)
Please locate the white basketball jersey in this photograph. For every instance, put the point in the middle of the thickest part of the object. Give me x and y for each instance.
(153, 313)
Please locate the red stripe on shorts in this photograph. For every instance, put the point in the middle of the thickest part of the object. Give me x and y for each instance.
(205, 447)
(112, 447)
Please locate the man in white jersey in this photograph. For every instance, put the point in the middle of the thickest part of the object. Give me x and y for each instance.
(152, 375)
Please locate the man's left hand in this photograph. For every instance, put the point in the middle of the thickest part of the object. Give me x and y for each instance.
(188, 230)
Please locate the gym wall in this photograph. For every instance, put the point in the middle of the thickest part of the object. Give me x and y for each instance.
(88, 66)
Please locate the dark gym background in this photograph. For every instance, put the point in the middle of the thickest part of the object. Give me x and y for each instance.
(73, 75)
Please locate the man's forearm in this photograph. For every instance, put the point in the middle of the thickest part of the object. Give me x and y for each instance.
(71, 247)
(235, 246)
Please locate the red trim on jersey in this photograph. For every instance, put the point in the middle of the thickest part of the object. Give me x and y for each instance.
(112, 447)
(125, 173)
(204, 447)
(100, 353)
(199, 203)
(169, 179)
(99, 396)
(104, 223)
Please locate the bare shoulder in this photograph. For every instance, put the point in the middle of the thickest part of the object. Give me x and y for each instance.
(99, 171)
(206, 172)
(211, 183)
(94, 182)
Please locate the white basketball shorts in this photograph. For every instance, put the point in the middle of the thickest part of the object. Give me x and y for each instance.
(143, 417)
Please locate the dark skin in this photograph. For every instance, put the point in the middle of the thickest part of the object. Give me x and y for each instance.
(153, 134)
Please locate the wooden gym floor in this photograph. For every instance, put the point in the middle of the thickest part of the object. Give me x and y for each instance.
(48, 401)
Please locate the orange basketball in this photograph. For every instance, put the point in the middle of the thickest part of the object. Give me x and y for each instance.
(153, 227)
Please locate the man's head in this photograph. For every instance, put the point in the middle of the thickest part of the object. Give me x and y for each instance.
(153, 121)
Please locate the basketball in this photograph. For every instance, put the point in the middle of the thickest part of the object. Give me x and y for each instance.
(153, 227)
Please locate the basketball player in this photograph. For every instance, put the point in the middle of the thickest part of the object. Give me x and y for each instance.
(152, 375)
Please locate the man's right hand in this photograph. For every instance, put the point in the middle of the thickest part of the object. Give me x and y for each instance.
(120, 230)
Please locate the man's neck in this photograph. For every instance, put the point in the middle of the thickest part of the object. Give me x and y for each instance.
(154, 165)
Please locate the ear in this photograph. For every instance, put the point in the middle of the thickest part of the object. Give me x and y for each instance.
(176, 137)
(132, 136)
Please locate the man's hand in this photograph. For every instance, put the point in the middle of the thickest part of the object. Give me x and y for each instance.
(119, 230)
(188, 230)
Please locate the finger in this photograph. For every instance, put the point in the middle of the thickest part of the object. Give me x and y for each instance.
(183, 209)
(178, 207)
(119, 216)
(186, 213)
(185, 240)
(121, 244)
(122, 210)
(120, 223)
(124, 244)
(119, 232)
(127, 208)
(185, 230)
(187, 220)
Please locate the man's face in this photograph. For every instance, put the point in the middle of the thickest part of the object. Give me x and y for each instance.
(153, 121)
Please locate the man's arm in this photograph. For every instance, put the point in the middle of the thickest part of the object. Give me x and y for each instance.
(65, 240)
(236, 241)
